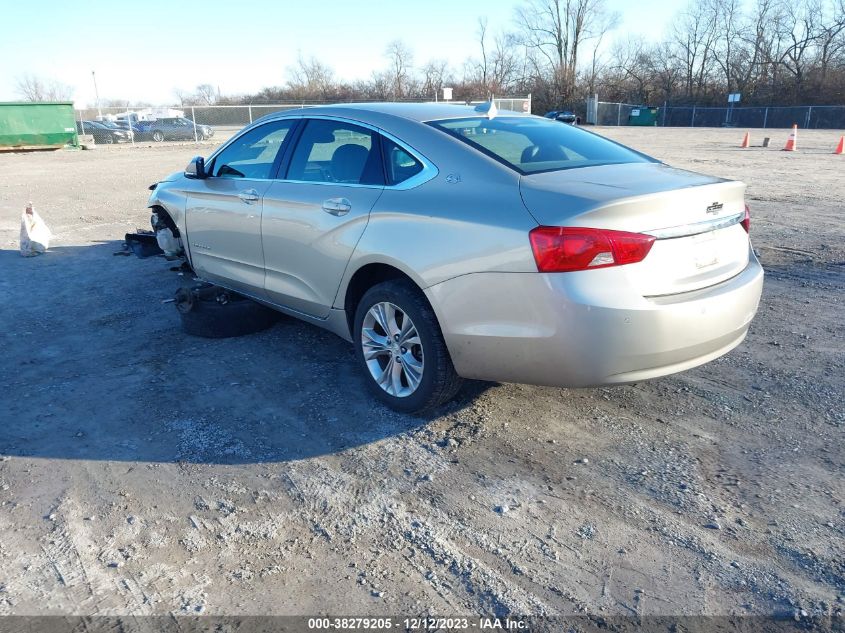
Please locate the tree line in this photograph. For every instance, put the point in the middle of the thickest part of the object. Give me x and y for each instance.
(774, 52)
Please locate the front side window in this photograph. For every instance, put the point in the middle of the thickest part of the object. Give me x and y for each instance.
(336, 152)
(531, 145)
(252, 154)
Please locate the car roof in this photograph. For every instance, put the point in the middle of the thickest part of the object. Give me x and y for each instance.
(412, 111)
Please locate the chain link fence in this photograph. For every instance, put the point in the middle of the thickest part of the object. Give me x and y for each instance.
(198, 123)
(806, 117)
(608, 113)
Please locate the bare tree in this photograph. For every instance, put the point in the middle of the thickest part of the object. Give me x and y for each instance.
(400, 60)
(554, 32)
(605, 23)
(632, 61)
(831, 40)
(183, 96)
(694, 35)
(311, 79)
(435, 75)
(482, 43)
(33, 88)
(205, 94)
(381, 86)
(117, 103)
(773, 51)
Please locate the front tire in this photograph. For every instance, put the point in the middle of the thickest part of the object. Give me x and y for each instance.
(158, 136)
(400, 349)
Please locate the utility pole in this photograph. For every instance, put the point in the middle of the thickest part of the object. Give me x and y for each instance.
(97, 95)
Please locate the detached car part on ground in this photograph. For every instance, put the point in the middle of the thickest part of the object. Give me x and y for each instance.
(446, 244)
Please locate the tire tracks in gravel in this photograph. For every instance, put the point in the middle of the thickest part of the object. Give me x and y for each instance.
(341, 502)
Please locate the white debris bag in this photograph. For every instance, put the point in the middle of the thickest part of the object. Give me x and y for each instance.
(35, 235)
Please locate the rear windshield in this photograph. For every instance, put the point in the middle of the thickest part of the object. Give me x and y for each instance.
(533, 145)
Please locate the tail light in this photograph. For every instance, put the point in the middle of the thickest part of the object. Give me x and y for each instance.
(746, 220)
(563, 249)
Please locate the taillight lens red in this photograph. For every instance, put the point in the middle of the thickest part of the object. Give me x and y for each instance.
(746, 220)
(560, 249)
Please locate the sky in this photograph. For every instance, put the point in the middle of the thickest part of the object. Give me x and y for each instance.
(143, 51)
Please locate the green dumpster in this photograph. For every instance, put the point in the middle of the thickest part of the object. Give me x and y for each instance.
(643, 115)
(37, 125)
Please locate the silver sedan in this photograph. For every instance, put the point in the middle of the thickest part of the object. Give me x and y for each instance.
(449, 242)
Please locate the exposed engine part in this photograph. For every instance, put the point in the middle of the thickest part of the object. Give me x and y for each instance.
(167, 234)
(160, 219)
(170, 246)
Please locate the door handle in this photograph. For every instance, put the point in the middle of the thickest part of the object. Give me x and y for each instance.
(337, 206)
(249, 195)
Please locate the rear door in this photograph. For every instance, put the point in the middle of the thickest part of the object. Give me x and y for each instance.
(223, 214)
(315, 213)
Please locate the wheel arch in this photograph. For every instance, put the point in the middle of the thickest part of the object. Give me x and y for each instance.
(366, 276)
(166, 218)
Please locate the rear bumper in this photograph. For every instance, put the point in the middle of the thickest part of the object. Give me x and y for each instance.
(587, 328)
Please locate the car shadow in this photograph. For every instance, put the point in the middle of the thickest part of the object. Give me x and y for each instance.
(95, 367)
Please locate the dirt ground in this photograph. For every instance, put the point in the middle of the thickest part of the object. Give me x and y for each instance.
(143, 471)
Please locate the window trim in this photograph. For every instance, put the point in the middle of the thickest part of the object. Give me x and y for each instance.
(428, 172)
(402, 147)
(303, 124)
(291, 136)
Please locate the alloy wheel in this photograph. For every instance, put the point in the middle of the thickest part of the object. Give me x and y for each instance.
(392, 349)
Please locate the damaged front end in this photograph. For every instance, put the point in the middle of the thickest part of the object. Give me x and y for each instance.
(167, 234)
(164, 239)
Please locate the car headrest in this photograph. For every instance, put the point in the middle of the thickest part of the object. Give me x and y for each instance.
(347, 164)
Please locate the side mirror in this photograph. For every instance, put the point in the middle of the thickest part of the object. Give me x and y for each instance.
(196, 168)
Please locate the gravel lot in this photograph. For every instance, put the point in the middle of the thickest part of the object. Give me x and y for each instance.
(146, 472)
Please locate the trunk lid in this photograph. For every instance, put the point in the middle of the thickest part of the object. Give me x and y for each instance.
(694, 218)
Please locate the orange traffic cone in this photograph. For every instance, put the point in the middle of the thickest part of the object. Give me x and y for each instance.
(792, 141)
(840, 149)
(746, 140)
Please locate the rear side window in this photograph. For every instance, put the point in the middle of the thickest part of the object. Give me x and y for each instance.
(253, 153)
(336, 152)
(531, 145)
(399, 163)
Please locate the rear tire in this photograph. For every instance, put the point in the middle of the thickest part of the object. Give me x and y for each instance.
(439, 382)
(212, 312)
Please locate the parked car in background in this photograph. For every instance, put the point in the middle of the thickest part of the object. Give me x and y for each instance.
(564, 116)
(112, 125)
(444, 243)
(102, 133)
(174, 129)
(125, 125)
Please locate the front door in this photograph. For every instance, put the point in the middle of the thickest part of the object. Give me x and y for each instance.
(223, 214)
(315, 215)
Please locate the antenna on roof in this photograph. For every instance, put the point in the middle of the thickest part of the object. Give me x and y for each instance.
(488, 108)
